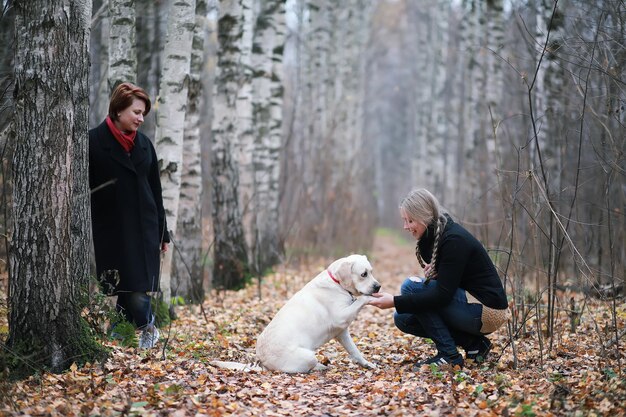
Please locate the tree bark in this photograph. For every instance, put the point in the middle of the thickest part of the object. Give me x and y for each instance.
(48, 258)
(172, 106)
(187, 274)
(122, 46)
(151, 32)
(99, 73)
(267, 246)
(230, 259)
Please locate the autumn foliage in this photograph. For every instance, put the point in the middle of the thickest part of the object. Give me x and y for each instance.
(582, 374)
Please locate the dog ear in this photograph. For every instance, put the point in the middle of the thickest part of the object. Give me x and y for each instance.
(345, 270)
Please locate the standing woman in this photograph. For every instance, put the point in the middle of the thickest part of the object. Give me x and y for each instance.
(462, 298)
(128, 218)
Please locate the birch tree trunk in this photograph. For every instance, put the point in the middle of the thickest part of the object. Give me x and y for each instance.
(267, 247)
(474, 154)
(187, 275)
(209, 70)
(494, 40)
(151, 32)
(49, 258)
(230, 259)
(495, 48)
(422, 95)
(438, 147)
(318, 143)
(551, 26)
(99, 74)
(172, 106)
(245, 147)
(465, 153)
(122, 47)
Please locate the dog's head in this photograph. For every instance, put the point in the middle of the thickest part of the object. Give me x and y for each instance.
(354, 273)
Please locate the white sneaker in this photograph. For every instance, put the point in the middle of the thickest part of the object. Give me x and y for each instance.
(149, 337)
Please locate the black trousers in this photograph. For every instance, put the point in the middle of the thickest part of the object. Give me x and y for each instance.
(136, 308)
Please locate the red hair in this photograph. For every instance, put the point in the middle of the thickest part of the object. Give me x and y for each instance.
(123, 97)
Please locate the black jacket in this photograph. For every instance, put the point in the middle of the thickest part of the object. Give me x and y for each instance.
(462, 262)
(128, 218)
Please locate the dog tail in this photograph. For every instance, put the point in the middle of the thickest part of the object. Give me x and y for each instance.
(236, 366)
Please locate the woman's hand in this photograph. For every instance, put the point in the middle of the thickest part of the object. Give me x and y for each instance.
(164, 247)
(382, 300)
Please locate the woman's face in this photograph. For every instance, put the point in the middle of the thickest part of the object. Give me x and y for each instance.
(416, 228)
(131, 117)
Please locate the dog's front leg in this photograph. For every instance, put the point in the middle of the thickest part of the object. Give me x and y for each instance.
(349, 313)
(346, 341)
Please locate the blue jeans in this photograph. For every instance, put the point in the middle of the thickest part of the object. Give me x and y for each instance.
(135, 307)
(457, 324)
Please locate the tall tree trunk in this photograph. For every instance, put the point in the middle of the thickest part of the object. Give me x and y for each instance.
(122, 47)
(151, 32)
(208, 76)
(99, 74)
(187, 275)
(422, 96)
(469, 55)
(550, 29)
(267, 247)
(438, 150)
(230, 259)
(172, 106)
(245, 145)
(49, 258)
(494, 43)
(475, 144)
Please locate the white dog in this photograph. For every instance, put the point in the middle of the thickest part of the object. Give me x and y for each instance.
(322, 310)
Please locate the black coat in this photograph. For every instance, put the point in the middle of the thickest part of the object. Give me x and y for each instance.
(128, 218)
(463, 263)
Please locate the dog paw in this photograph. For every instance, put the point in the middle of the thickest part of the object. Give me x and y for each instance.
(369, 365)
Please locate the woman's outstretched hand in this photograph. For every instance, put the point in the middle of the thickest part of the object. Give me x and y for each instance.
(382, 300)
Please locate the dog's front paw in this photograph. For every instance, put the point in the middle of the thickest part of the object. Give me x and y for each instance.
(368, 365)
(365, 299)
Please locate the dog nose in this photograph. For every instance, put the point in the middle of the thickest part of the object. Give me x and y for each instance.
(376, 288)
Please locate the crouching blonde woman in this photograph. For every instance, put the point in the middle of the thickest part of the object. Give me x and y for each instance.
(461, 299)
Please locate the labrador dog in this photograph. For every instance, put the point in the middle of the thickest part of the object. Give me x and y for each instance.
(322, 310)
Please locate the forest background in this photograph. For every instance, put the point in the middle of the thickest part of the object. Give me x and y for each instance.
(291, 129)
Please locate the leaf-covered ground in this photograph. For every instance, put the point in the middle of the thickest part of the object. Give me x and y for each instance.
(576, 378)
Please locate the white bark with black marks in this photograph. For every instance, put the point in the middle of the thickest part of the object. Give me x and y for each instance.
(171, 107)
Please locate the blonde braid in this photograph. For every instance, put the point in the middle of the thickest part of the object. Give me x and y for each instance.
(441, 225)
(418, 255)
(420, 205)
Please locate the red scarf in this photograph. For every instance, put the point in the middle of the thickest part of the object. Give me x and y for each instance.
(127, 140)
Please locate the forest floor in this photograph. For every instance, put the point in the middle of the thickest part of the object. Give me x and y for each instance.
(577, 377)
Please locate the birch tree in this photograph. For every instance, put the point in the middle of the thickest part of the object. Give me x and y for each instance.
(48, 257)
(422, 95)
(267, 246)
(468, 67)
(151, 21)
(187, 276)
(172, 106)
(230, 256)
(438, 146)
(244, 150)
(550, 21)
(99, 74)
(474, 152)
(122, 63)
